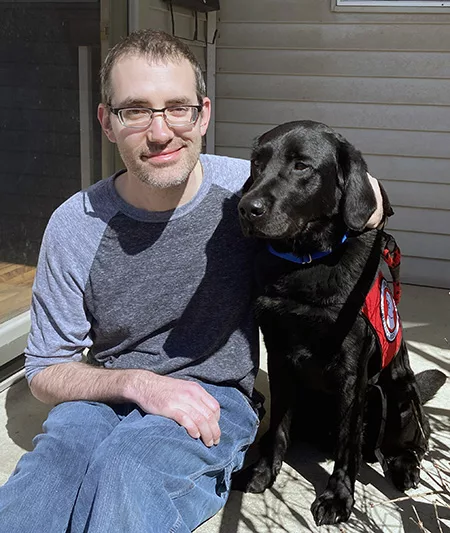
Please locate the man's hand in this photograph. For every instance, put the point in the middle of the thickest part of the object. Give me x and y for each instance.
(186, 402)
(377, 217)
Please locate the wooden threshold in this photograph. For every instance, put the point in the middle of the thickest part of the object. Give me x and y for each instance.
(16, 282)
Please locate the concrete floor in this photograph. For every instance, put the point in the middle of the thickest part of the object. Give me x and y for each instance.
(285, 507)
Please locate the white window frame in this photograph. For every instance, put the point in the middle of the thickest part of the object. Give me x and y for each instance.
(13, 337)
(392, 6)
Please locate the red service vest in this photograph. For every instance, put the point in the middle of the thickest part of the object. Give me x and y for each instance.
(381, 312)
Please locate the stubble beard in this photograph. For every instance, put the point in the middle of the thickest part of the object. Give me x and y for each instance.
(164, 176)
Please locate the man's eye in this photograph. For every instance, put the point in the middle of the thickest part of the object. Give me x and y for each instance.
(133, 113)
(178, 111)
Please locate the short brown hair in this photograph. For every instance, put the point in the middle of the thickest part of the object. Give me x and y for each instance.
(153, 44)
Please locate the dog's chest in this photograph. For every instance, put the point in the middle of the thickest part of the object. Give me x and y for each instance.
(285, 288)
(304, 310)
(296, 315)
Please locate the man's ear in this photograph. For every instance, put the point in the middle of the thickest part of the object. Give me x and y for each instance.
(104, 117)
(359, 200)
(205, 115)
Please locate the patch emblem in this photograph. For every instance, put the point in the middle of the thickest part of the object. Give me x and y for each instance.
(381, 312)
(389, 314)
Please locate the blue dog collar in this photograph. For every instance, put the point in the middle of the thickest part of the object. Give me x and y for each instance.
(304, 259)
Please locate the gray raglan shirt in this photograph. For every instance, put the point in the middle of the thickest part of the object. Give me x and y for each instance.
(165, 291)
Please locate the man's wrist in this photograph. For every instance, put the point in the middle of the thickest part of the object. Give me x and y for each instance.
(135, 383)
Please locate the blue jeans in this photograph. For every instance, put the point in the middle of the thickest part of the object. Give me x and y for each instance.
(102, 468)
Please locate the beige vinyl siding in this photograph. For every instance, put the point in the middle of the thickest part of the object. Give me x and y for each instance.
(155, 14)
(335, 89)
(319, 36)
(311, 11)
(340, 63)
(360, 115)
(380, 79)
(380, 142)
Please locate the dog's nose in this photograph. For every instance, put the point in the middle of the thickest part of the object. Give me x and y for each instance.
(253, 209)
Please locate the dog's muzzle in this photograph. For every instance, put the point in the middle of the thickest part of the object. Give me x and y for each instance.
(252, 213)
(252, 209)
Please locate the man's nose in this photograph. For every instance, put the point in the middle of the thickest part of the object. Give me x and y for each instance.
(158, 131)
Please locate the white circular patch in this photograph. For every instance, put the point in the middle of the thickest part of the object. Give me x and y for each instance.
(389, 313)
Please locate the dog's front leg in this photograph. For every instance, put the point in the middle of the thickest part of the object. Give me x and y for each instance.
(335, 504)
(407, 427)
(273, 445)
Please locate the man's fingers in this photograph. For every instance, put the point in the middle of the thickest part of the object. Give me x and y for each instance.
(182, 418)
(199, 423)
(209, 410)
(212, 404)
(209, 428)
(199, 393)
(213, 417)
(206, 422)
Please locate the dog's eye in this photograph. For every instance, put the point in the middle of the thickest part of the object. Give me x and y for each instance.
(257, 165)
(300, 166)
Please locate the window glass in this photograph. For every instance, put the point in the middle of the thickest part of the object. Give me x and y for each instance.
(46, 50)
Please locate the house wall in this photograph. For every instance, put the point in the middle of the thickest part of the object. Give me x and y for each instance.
(380, 79)
(155, 14)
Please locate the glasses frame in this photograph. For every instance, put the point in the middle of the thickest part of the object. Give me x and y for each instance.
(118, 112)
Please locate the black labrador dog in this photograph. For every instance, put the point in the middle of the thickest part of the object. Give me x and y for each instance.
(310, 198)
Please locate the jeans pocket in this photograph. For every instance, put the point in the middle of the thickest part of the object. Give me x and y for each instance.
(223, 485)
(225, 476)
(253, 410)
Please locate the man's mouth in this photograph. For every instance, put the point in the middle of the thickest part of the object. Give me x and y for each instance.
(163, 156)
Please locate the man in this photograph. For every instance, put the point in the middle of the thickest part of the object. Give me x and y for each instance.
(149, 272)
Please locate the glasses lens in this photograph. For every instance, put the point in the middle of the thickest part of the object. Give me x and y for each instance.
(181, 115)
(135, 117)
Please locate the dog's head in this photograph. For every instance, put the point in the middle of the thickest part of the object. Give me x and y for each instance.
(305, 179)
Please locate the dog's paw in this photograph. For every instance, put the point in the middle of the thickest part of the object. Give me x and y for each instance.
(255, 478)
(333, 506)
(404, 471)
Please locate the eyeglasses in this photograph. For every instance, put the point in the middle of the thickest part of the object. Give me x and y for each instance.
(176, 116)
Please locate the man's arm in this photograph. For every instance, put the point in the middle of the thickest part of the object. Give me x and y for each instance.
(186, 402)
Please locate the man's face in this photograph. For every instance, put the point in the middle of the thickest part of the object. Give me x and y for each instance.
(159, 155)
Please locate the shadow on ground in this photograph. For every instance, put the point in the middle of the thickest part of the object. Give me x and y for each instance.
(379, 507)
(25, 415)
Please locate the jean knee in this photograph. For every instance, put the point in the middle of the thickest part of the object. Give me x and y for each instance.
(83, 415)
(71, 433)
(131, 452)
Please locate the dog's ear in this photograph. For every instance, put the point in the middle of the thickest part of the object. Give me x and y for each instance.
(387, 208)
(249, 181)
(247, 184)
(359, 202)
